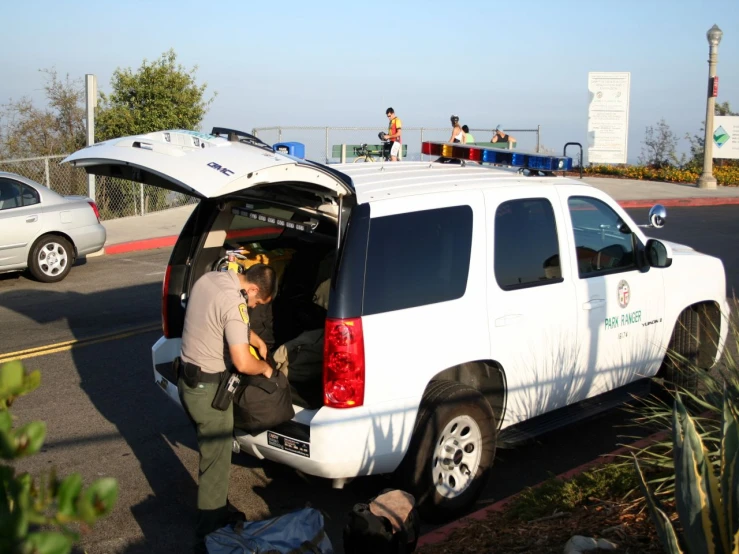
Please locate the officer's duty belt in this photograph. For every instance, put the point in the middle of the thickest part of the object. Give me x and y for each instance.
(192, 374)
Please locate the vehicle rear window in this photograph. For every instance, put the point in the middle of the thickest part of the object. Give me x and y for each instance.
(417, 258)
(526, 245)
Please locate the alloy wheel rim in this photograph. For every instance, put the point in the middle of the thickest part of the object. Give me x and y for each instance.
(52, 259)
(457, 456)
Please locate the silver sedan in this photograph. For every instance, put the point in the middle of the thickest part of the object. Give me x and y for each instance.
(43, 231)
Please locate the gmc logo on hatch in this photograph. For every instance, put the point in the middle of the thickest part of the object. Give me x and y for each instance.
(221, 169)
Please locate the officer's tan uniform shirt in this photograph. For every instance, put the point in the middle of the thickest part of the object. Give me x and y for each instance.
(216, 310)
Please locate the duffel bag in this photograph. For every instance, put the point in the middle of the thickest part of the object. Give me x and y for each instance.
(261, 403)
(293, 533)
(389, 523)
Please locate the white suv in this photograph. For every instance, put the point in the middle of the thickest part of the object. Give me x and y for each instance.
(470, 306)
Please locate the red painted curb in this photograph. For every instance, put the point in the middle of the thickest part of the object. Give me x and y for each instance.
(136, 245)
(442, 533)
(680, 202)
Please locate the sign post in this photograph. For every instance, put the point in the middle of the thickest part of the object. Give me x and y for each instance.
(608, 116)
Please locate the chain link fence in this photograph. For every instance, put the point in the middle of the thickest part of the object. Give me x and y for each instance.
(319, 141)
(114, 197)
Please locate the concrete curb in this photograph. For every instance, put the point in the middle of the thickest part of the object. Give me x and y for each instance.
(164, 242)
(443, 533)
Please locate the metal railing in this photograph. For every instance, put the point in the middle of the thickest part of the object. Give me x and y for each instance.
(120, 198)
(114, 197)
(319, 141)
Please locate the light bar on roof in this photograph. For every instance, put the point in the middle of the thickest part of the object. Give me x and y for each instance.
(472, 153)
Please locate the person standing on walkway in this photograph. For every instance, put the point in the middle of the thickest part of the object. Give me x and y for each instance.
(217, 310)
(467, 135)
(499, 135)
(394, 134)
(457, 132)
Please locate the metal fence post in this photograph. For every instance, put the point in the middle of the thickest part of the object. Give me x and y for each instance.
(538, 137)
(47, 179)
(343, 153)
(279, 134)
(421, 158)
(327, 152)
(141, 196)
(91, 102)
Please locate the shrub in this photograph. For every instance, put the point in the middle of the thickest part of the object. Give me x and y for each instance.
(37, 514)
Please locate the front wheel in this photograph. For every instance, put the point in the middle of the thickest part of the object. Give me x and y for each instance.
(50, 259)
(452, 450)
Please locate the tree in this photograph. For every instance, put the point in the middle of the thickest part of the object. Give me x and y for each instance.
(58, 128)
(159, 95)
(660, 145)
(697, 142)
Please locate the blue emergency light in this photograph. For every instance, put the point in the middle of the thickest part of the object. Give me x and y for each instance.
(294, 149)
(523, 160)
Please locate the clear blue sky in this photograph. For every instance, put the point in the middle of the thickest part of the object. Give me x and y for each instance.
(519, 64)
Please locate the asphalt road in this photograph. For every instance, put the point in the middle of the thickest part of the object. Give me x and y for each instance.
(105, 417)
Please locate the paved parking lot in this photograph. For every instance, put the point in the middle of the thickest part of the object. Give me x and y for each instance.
(106, 418)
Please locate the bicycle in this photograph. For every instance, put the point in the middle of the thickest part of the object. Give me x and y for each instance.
(364, 154)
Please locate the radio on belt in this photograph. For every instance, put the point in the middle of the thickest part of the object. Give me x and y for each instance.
(295, 149)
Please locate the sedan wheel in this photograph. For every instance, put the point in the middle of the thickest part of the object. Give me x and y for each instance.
(51, 259)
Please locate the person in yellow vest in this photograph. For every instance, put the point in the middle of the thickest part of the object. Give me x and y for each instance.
(467, 135)
(394, 134)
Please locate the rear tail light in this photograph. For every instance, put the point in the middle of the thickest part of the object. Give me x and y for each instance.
(343, 363)
(165, 293)
(94, 209)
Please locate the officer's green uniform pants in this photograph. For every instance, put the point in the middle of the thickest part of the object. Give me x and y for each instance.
(215, 440)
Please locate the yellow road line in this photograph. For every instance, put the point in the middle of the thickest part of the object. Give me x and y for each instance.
(70, 344)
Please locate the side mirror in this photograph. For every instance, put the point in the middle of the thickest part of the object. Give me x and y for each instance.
(658, 253)
(657, 216)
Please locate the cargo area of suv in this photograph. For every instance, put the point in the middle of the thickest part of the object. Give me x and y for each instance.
(299, 246)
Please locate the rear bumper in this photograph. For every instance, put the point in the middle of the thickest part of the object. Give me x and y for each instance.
(88, 239)
(328, 442)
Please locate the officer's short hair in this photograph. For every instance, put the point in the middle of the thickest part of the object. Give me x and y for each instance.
(264, 277)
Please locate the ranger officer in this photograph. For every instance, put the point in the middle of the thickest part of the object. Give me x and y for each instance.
(217, 310)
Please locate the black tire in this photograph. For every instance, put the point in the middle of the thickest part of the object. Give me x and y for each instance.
(50, 247)
(681, 361)
(421, 470)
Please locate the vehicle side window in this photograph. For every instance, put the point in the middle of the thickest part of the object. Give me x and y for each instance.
(29, 196)
(417, 258)
(10, 194)
(603, 243)
(526, 245)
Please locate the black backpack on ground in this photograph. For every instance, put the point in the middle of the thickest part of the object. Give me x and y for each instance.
(370, 531)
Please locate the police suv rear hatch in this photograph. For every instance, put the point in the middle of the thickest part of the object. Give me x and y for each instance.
(208, 166)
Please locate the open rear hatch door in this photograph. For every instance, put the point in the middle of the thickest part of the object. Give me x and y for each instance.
(207, 166)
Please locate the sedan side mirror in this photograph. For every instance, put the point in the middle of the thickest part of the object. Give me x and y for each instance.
(658, 253)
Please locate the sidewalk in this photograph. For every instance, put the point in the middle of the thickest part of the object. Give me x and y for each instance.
(160, 229)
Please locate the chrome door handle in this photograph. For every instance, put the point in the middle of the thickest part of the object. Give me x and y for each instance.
(508, 320)
(594, 304)
(32, 219)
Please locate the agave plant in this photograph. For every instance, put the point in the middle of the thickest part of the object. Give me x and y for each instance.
(706, 500)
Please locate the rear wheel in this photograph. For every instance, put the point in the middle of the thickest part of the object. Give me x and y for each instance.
(50, 259)
(451, 451)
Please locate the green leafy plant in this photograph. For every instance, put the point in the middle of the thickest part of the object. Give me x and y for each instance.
(37, 515)
(707, 501)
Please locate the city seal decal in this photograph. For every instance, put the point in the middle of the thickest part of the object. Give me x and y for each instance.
(624, 293)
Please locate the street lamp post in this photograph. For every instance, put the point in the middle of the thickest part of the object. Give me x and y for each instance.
(707, 180)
